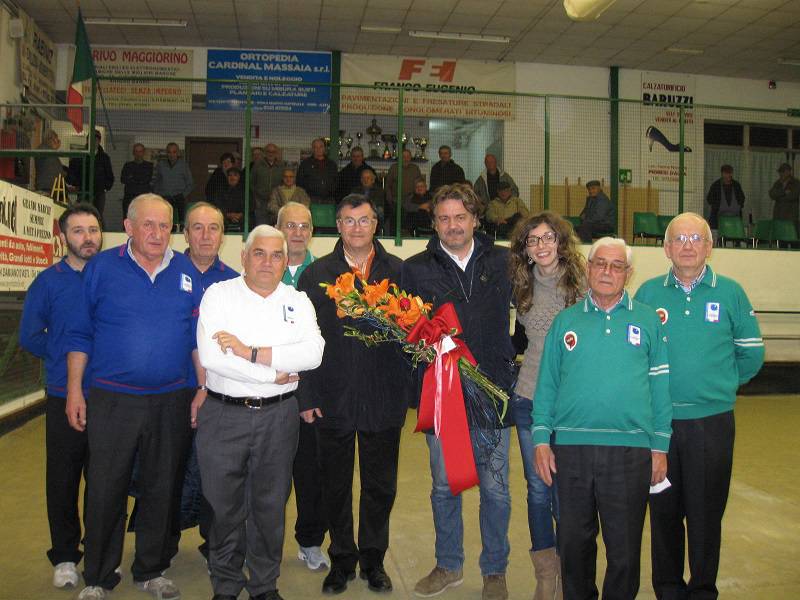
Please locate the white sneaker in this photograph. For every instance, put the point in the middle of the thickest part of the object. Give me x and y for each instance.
(65, 574)
(314, 557)
(160, 588)
(93, 592)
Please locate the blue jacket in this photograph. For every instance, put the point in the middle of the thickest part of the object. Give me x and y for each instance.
(138, 334)
(50, 303)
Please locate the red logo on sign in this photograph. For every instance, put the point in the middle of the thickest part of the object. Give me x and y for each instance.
(570, 340)
(445, 71)
(663, 315)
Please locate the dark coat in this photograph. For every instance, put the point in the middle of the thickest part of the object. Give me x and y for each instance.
(103, 172)
(355, 387)
(317, 178)
(481, 296)
(216, 186)
(137, 178)
(446, 173)
(714, 198)
(350, 177)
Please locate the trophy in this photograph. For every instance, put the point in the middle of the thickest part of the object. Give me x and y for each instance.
(393, 140)
(359, 135)
(327, 141)
(404, 140)
(374, 132)
(340, 143)
(423, 142)
(387, 139)
(349, 142)
(417, 153)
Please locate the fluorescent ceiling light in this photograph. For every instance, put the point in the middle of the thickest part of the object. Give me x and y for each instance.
(135, 22)
(586, 10)
(795, 62)
(460, 37)
(380, 29)
(678, 50)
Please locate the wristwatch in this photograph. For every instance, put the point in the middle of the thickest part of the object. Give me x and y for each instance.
(202, 387)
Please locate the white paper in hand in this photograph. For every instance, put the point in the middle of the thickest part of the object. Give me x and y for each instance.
(660, 487)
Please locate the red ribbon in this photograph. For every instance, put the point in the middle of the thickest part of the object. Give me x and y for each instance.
(441, 405)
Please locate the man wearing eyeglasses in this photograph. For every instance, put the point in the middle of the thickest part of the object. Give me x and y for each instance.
(715, 346)
(603, 391)
(358, 393)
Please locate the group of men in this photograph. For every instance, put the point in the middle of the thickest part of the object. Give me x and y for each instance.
(143, 344)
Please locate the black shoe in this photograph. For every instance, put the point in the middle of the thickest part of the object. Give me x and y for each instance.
(270, 595)
(377, 579)
(336, 581)
(223, 597)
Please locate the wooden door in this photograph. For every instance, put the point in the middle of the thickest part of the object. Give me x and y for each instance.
(202, 154)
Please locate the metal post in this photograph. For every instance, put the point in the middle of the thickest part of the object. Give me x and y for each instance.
(336, 78)
(248, 119)
(681, 182)
(92, 146)
(398, 237)
(547, 152)
(614, 137)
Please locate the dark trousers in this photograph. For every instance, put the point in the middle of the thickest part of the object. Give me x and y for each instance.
(587, 231)
(699, 467)
(612, 483)
(67, 456)
(178, 203)
(120, 426)
(310, 527)
(100, 200)
(377, 458)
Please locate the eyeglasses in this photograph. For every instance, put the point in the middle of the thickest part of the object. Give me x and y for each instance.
(351, 222)
(614, 266)
(290, 225)
(682, 238)
(548, 239)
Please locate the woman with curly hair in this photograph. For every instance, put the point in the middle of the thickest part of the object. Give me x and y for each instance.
(548, 274)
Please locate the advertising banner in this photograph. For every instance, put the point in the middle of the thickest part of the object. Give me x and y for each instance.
(434, 87)
(37, 62)
(26, 236)
(111, 61)
(283, 76)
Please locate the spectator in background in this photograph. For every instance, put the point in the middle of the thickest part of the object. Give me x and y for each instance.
(294, 221)
(231, 199)
(486, 184)
(103, 174)
(218, 181)
(786, 194)
(505, 210)
(411, 173)
(599, 216)
(50, 303)
(137, 176)
(418, 207)
(376, 196)
(349, 178)
(173, 180)
(725, 197)
(285, 193)
(446, 171)
(267, 176)
(317, 174)
(48, 168)
(256, 154)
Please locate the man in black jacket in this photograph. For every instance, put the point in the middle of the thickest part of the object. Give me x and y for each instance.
(137, 177)
(317, 174)
(725, 197)
(464, 267)
(103, 174)
(446, 171)
(357, 392)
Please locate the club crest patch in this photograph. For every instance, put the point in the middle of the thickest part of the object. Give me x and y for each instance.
(712, 312)
(570, 340)
(663, 314)
(634, 335)
(186, 283)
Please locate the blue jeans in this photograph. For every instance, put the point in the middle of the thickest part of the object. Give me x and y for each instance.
(495, 506)
(542, 499)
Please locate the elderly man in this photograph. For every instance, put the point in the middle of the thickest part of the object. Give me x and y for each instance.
(317, 174)
(602, 401)
(218, 180)
(134, 332)
(599, 215)
(786, 194)
(505, 210)
(358, 393)
(369, 188)
(349, 177)
(417, 208)
(714, 347)
(267, 175)
(137, 177)
(411, 173)
(173, 180)
(254, 336)
(487, 182)
(50, 302)
(465, 268)
(446, 171)
(725, 197)
(285, 193)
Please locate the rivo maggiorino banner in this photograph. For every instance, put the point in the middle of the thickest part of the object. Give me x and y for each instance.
(123, 61)
(282, 75)
(434, 87)
(26, 236)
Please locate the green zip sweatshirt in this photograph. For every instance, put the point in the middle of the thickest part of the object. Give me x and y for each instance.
(604, 378)
(715, 343)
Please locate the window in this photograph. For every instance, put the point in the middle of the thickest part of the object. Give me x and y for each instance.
(724, 134)
(769, 137)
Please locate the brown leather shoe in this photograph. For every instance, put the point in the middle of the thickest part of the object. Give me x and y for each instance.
(437, 581)
(494, 587)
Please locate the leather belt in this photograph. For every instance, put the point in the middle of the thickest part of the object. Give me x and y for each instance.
(254, 402)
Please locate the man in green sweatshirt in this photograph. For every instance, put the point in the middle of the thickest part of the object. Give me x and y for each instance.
(602, 401)
(715, 346)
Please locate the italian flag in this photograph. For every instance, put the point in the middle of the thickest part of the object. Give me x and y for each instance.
(82, 71)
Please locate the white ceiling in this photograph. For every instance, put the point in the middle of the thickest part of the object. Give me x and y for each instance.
(739, 38)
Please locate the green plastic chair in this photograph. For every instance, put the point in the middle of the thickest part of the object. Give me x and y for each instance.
(645, 226)
(324, 217)
(574, 220)
(663, 222)
(784, 231)
(731, 229)
(762, 232)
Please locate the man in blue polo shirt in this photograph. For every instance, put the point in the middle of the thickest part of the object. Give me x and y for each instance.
(715, 346)
(135, 332)
(49, 305)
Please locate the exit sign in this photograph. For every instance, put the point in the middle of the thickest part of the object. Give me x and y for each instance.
(625, 176)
